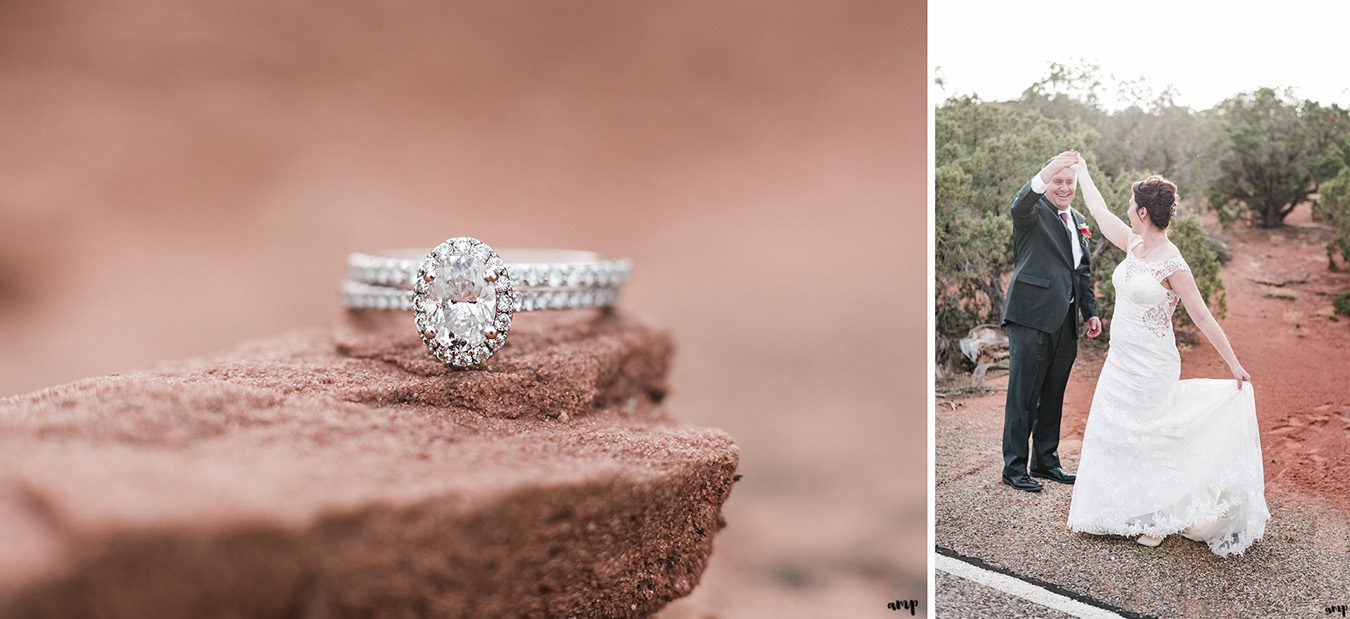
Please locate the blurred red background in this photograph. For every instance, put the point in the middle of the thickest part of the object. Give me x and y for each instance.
(176, 178)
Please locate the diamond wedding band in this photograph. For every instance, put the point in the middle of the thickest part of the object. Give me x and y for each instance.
(463, 293)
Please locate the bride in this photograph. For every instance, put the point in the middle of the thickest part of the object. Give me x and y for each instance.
(1162, 455)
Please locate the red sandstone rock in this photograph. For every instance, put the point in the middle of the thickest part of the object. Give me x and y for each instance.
(344, 474)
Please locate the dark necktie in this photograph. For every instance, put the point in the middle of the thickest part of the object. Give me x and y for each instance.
(1064, 215)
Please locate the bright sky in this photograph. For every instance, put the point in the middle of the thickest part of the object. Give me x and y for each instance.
(1207, 51)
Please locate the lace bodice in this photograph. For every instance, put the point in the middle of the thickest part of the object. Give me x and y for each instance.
(1141, 299)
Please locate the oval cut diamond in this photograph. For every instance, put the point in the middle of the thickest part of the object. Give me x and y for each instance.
(459, 306)
(464, 304)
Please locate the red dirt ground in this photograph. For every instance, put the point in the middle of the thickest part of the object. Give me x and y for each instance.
(1281, 325)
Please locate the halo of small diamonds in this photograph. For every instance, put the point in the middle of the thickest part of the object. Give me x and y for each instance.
(463, 297)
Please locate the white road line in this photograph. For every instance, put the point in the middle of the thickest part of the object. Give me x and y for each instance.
(1020, 588)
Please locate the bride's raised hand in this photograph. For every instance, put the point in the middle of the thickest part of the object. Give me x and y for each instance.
(1079, 166)
(1241, 375)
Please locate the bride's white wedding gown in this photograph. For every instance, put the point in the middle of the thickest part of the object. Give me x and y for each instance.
(1162, 455)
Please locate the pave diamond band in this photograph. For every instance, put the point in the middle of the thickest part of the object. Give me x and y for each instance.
(533, 268)
(360, 295)
(463, 293)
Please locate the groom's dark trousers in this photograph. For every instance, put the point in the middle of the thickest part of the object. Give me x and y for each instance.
(1039, 372)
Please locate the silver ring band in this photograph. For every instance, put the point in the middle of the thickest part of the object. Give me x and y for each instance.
(463, 293)
(551, 268)
(360, 295)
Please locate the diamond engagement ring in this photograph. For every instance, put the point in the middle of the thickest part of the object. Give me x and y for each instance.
(463, 293)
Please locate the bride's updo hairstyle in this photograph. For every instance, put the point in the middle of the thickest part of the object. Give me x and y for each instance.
(1159, 196)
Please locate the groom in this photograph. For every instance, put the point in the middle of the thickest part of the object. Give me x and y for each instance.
(1051, 286)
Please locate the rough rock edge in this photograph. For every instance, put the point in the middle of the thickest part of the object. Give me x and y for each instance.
(601, 548)
(594, 545)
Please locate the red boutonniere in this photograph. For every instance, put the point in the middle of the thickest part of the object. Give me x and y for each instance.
(1083, 230)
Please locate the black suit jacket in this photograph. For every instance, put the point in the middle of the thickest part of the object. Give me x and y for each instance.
(1045, 277)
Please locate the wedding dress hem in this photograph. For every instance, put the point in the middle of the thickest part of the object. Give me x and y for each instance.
(1195, 525)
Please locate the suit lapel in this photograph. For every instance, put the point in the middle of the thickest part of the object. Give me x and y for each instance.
(1078, 223)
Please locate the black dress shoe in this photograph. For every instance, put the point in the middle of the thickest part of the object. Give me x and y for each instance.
(1022, 482)
(1056, 474)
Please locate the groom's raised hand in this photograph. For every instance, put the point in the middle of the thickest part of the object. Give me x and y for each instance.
(1061, 161)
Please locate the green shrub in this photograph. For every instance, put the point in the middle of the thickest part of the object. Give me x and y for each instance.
(1341, 303)
(1332, 207)
(1273, 151)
